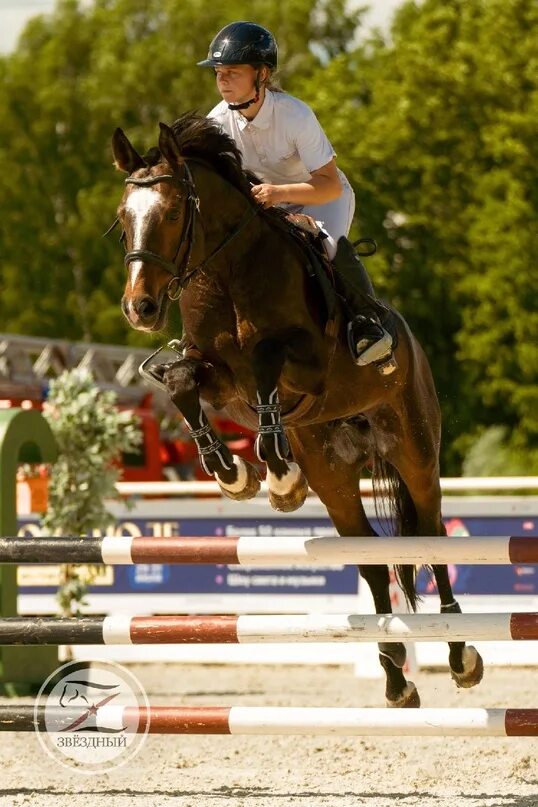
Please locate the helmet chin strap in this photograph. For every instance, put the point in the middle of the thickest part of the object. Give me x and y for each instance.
(246, 104)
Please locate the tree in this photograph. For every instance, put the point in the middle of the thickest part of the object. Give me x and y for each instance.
(434, 127)
(77, 74)
(436, 130)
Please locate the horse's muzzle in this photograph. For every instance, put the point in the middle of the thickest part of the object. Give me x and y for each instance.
(144, 312)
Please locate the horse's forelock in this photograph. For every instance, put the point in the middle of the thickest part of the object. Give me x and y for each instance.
(195, 132)
(203, 138)
(152, 157)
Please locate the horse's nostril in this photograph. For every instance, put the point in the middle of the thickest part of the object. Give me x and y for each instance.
(146, 308)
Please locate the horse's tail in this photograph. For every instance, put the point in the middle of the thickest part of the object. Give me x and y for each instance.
(392, 500)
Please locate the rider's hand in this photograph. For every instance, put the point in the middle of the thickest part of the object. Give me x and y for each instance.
(266, 195)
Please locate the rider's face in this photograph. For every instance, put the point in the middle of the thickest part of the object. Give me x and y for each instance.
(236, 82)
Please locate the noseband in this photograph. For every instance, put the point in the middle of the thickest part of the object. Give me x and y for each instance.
(179, 267)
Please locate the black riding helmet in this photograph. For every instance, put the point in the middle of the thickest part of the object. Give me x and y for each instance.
(242, 43)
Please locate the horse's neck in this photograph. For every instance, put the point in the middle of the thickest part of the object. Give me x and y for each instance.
(223, 208)
(255, 282)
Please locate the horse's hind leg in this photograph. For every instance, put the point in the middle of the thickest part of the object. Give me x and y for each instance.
(331, 457)
(422, 482)
(466, 665)
(414, 454)
(392, 655)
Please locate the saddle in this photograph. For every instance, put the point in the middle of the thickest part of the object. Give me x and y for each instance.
(306, 223)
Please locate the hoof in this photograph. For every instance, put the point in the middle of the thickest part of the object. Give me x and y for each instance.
(289, 492)
(247, 484)
(409, 699)
(473, 669)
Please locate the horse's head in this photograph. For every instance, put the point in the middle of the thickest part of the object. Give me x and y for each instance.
(157, 216)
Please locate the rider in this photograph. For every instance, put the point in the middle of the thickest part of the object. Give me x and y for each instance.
(282, 142)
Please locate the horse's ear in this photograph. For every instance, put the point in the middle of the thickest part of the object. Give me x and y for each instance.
(126, 157)
(168, 145)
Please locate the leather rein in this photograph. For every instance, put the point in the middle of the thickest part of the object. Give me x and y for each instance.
(179, 267)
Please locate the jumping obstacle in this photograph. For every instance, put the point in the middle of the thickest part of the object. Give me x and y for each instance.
(282, 720)
(120, 630)
(272, 552)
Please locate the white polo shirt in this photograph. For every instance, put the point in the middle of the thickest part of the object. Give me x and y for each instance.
(283, 144)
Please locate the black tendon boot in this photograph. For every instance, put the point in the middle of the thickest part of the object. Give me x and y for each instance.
(368, 340)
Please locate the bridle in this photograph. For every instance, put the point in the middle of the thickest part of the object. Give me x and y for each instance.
(179, 267)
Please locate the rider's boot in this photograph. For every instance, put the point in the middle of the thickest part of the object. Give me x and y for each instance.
(368, 340)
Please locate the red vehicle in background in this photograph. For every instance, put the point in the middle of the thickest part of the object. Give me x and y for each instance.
(164, 454)
(167, 451)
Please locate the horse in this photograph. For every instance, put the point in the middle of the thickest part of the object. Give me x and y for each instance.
(263, 345)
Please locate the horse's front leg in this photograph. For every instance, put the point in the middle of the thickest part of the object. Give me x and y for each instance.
(237, 478)
(287, 484)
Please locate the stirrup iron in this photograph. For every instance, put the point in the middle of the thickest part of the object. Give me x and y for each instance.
(147, 373)
(370, 350)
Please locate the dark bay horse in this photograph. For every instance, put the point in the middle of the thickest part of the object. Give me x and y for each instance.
(262, 346)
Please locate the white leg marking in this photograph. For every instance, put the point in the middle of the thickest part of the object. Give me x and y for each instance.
(469, 658)
(242, 476)
(287, 482)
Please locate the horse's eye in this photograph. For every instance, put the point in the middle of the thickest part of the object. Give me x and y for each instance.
(173, 214)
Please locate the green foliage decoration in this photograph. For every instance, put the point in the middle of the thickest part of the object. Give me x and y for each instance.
(91, 433)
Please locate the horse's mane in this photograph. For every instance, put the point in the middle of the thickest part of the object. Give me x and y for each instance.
(203, 139)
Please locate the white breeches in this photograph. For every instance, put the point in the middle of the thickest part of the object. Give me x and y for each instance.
(333, 217)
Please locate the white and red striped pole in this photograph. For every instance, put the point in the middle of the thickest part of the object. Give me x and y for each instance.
(254, 628)
(272, 552)
(265, 720)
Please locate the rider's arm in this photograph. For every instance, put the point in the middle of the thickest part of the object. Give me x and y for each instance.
(313, 147)
(323, 186)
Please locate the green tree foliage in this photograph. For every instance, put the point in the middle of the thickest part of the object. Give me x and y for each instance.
(77, 74)
(434, 127)
(495, 454)
(437, 131)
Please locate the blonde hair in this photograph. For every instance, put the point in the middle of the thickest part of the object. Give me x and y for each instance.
(272, 82)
